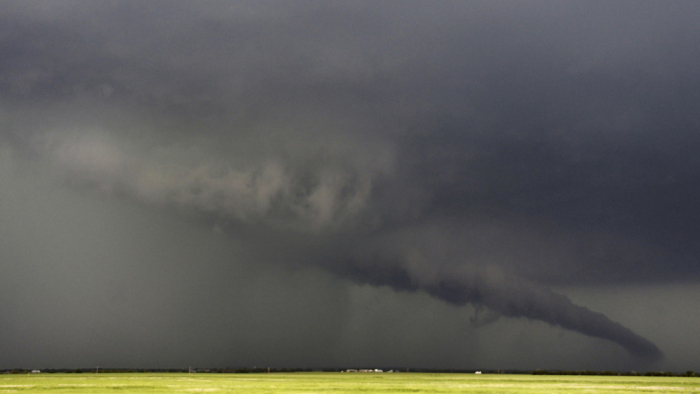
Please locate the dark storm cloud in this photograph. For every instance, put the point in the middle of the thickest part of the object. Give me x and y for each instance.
(406, 144)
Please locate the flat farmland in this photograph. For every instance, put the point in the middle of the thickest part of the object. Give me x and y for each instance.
(340, 383)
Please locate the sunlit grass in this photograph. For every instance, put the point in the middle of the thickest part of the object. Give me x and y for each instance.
(341, 383)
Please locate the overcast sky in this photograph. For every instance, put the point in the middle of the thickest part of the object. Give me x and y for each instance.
(452, 184)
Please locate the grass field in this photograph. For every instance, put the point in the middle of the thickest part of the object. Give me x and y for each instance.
(341, 383)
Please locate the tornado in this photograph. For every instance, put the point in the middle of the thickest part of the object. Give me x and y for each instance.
(514, 297)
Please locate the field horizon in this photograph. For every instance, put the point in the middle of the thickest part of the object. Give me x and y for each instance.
(315, 382)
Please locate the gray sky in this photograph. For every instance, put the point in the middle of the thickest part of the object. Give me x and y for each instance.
(301, 184)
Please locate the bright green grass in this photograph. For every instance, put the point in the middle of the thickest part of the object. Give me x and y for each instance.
(340, 383)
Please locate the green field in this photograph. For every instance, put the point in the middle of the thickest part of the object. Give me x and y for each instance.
(341, 383)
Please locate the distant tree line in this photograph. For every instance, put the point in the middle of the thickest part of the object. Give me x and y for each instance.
(279, 370)
(611, 373)
(245, 370)
(151, 370)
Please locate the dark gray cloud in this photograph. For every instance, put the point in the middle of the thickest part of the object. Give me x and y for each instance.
(481, 153)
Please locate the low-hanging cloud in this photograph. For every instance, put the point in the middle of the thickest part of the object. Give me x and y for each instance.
(333, 200)
(305, 197)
